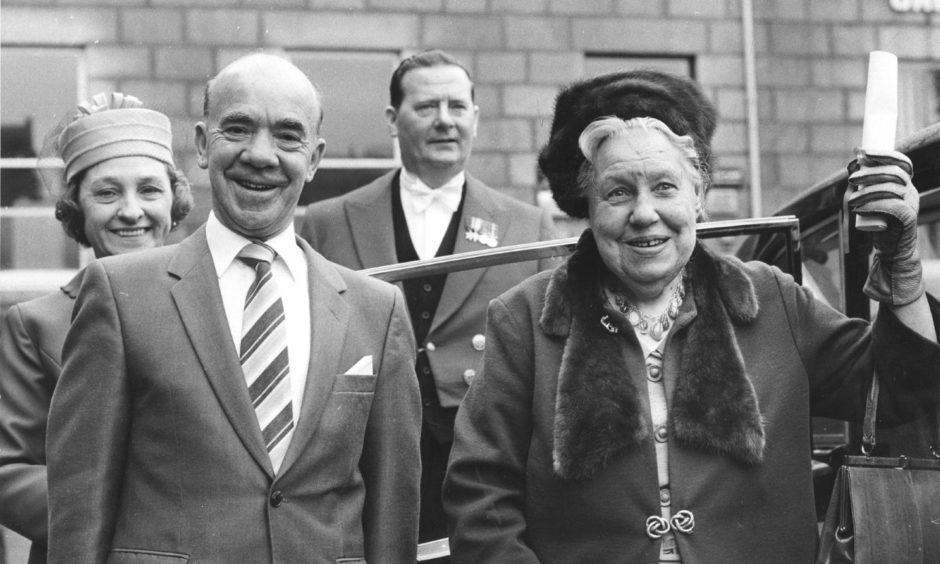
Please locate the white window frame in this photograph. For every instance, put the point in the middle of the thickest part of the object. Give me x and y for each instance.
(29, 281)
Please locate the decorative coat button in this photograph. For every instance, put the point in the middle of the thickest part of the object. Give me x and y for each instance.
(662, 434)
(430, 347)
(468, 375)
(277, 498)
(683, 522)
(427, 288)
(665, 496)
(479, 342)
(656, 526)
(425, 315)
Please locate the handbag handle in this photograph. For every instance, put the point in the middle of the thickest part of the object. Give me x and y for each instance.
(871, 410)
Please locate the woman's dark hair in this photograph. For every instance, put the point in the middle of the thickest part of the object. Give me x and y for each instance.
(69, 212)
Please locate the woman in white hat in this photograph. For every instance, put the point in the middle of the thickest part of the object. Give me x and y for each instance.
(122, 193)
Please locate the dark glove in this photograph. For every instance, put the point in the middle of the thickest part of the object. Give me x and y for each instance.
(885, 191)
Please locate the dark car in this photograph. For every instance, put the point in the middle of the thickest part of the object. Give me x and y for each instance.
(835, 263)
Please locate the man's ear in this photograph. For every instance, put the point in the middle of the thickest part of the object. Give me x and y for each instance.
(476, 120)
(391, 118)
(202, 141)
(315, 155)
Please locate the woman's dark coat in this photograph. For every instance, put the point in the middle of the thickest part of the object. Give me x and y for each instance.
(31, 338)
(554, 461)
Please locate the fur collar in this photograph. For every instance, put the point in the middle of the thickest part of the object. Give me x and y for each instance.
(597, 412)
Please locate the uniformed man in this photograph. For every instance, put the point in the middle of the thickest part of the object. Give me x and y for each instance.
(431, 207)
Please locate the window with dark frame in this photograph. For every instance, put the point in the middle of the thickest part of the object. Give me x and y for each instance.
(38, 84)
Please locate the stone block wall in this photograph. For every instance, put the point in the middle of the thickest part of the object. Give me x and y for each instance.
(812, 70)
(811, 61)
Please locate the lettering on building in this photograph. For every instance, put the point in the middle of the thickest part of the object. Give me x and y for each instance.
(923, 6)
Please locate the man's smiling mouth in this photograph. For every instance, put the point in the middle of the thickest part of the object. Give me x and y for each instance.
(254, 186)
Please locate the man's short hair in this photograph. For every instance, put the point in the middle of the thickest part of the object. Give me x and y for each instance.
(424, 59)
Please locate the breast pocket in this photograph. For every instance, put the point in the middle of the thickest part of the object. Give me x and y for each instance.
(137, 556)
(343, 424)
(354, 384)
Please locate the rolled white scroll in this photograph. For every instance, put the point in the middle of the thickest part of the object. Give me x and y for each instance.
(881, 116)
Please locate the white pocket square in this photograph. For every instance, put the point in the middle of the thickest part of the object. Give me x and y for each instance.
(362, 367)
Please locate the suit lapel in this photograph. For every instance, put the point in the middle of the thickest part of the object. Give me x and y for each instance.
(328, 317)
(460, 285)
(71, 289)
(370, 223)
(199, 303)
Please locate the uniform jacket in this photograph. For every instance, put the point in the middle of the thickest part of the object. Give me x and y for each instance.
(30, 359)
(356, 231)
(155, 453)
(554, 459)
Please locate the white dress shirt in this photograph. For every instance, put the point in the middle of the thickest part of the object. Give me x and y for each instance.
(290, 273)
(428, 211)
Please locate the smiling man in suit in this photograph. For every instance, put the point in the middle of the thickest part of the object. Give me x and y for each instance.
(432, 207)
(236, 397)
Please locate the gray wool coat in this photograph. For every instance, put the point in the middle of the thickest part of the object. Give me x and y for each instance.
(553, 458)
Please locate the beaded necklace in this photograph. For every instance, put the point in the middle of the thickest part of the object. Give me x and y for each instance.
(653, 325)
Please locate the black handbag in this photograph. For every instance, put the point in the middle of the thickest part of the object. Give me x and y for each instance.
(883, 510)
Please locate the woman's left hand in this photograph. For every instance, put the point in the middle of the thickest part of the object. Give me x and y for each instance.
(883, 179)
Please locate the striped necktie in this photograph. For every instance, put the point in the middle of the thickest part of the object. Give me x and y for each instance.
(263, 353)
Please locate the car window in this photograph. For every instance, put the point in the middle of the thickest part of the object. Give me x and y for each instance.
(821, 263)
(822, 266)
(928, 239)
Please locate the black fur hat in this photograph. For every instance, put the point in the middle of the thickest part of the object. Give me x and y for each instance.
(676, 101)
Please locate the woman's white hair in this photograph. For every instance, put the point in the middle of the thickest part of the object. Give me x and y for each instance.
(604, 128)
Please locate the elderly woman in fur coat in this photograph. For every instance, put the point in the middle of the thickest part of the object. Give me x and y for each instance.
(650, 401)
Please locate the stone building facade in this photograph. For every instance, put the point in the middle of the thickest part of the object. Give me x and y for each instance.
(810, 61)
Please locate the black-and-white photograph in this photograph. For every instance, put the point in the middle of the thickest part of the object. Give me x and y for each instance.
(469, 281)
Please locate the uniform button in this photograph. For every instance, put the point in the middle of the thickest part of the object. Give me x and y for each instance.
(426, 402)
(277, 498)
(425, 370)
(427, 288)
(430, 347)
(479, 342)
(662, 434)
(468, 375)
(425, 315)
(665, 496)
(654, 373)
